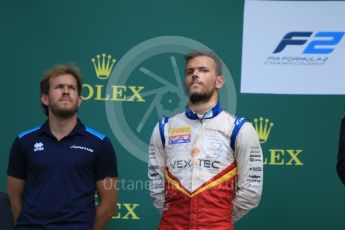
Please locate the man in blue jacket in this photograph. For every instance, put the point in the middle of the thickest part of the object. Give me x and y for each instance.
(55, 169)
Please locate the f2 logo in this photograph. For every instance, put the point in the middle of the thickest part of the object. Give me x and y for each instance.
(315, 46)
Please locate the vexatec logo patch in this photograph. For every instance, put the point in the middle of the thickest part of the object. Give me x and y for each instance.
(315, 48)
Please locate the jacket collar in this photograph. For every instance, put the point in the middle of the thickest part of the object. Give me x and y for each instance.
(78, 129)
(213, 112)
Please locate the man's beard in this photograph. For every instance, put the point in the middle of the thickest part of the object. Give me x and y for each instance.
(196, 98)
(63, 113)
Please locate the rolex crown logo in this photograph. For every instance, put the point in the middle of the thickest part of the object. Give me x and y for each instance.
(103, 65)
(263, 128)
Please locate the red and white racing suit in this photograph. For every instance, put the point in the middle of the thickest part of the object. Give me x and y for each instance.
(205, 172)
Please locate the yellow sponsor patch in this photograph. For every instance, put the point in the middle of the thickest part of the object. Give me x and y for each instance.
(180, 131)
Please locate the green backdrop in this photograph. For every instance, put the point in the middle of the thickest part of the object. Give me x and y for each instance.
(148, 40)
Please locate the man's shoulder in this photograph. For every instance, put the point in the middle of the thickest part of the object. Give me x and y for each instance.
(166, 119)
(32, 132)
(94, 133)
(179, 115)
(235, 118)
(228, 115)
(89, 131)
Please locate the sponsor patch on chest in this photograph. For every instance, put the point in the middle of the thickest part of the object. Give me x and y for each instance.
(180, 135)
(81, 148)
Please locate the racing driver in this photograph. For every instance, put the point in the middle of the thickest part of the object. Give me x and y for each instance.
(205, 165)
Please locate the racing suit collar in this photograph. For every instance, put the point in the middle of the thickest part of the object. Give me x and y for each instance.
(217, 109)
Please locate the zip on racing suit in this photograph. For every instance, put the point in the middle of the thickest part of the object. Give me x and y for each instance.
(205, 172)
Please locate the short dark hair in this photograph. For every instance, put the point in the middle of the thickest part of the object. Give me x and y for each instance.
(56, 71)
(213, 56)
